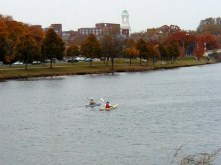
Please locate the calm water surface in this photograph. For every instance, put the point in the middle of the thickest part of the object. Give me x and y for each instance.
(44, 121)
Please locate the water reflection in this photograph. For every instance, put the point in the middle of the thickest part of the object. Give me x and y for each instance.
(42, 78)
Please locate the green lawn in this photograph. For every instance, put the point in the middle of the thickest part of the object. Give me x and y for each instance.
(13, 72)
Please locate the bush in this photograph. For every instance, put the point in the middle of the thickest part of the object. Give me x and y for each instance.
(195, 159)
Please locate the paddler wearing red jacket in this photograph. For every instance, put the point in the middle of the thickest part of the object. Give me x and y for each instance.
(107, 105)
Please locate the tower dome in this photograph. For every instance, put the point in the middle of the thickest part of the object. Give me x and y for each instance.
(125, 12)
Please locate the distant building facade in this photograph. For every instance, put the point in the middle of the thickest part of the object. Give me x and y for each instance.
(37, 26)
(99, 30)
(87, 31)
(57, 28)
(108, 28)
(69, 36)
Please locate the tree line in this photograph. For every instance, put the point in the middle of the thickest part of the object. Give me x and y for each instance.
(27, 43)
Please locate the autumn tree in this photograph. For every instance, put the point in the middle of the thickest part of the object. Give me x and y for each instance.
(189, 43)
(141, 46)
(10, 33)
(91, 48)
(26, 49)
(173, 51)
(111, 46)
(209, 40)
(210, 25)
(52, 46)
(3, 39)
(153, 52)
(117, 51)
(147, 54)
(106, 44)
(180, 39)
(14, 30)
(204, 42)
(199, 50)
(169, 29)
(130, 49)
(37, 33)
(163, 52)
(72, 51)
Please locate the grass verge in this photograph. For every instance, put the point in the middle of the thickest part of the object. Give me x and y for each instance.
(16, 72)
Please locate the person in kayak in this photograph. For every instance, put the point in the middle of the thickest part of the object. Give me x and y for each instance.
(107, 105)
(92, 102)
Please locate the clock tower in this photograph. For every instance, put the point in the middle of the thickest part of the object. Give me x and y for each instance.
(125, 26)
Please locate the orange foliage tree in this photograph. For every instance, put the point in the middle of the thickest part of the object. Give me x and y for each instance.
(130, 49)
(183, 39)
(26, 48)
(141, 46)
(3, 39)
(14, 30)
(205, 41)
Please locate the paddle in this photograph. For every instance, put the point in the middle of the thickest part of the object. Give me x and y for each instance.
(88, 98)
(105, 102)
(102, 100)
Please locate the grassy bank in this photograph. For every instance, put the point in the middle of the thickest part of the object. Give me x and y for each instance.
(80, 68)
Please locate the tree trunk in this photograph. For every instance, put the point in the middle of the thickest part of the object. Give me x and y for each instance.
(130, 60)
(26, 64)
(107, 59)
(112, 65)
(51, 64)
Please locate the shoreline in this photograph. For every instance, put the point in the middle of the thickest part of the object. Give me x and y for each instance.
(107, 70)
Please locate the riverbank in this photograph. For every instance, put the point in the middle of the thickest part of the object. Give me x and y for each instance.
(19, 72)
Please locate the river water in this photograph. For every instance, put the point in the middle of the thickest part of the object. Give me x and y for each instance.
(44, 121)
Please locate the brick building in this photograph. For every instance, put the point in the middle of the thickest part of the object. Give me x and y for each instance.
(57, 28)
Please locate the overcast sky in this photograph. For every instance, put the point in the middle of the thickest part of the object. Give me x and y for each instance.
(143, 14)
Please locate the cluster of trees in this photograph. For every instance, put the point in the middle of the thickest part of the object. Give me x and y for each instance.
(189, 42)
(23, 42)
(163, 43)
(211, 25)
(13, 32)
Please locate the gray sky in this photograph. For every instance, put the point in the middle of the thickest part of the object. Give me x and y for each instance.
(74, 14)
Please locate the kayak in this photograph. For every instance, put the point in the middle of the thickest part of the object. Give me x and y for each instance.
(111, 108)
(93, 105)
